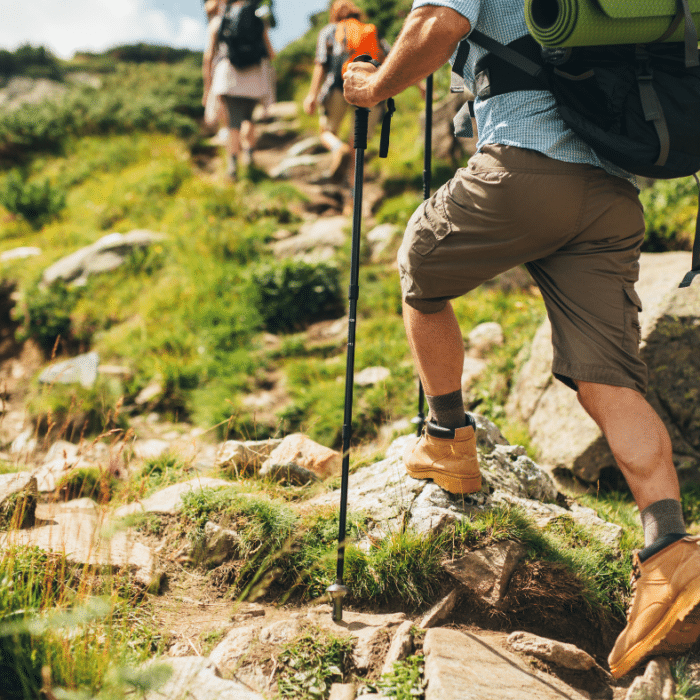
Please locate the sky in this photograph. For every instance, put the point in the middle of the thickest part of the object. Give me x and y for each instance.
(67, 26)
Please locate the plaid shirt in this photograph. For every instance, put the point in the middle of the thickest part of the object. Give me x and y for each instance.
(528, 119)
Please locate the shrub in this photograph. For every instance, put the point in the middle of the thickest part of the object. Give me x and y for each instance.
(292, 294)
(37, 202)
(45, 314)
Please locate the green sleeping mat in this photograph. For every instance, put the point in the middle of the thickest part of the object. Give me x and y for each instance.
(603, 22)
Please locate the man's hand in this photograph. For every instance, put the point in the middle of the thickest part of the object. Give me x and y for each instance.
(358, 80)
(428, 39)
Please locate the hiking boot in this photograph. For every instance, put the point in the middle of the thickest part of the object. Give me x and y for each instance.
(448, 457)
(662, 618)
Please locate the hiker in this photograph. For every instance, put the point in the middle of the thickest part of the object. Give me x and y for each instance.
(326, 89)
(213, 107)
(239, 89)
(535, 194)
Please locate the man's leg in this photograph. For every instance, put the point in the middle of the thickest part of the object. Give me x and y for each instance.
(446, 452)
(664, 616)
(638, 440)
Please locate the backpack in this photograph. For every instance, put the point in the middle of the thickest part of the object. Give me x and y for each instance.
(637, 106)
(352, 39)
(242, 31)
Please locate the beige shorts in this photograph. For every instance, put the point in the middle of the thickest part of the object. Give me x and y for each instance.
(333, 110)
(577, 229)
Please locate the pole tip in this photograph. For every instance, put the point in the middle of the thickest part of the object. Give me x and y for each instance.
(337, 592)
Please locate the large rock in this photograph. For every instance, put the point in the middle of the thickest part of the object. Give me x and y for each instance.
(168, 501)
(303, 451)
(455, 665)
(670, 326)
(80, 530)
(316, 241)
(76, 370)
(106, 254)
(391, 499)
(197, 678)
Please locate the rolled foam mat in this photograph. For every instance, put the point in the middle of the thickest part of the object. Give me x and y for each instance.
(602, 22)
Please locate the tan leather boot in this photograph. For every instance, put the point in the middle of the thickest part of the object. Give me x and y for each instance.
(448, 457)
(663, 617)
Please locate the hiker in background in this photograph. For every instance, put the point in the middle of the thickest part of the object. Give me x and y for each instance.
(213, 107)
(242, 78)
(536, 194)
(347, 35)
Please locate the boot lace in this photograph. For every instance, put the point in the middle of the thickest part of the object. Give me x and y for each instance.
(634, 577)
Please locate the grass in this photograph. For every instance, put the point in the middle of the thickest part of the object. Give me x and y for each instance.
(311, 663)
(70, 619)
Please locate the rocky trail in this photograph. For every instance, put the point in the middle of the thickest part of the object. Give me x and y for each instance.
(504, 627)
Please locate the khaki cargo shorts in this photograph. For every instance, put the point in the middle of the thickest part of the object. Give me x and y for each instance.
(577, 229)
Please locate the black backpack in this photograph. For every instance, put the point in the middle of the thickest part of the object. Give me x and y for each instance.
(243, 33)
(637, 106)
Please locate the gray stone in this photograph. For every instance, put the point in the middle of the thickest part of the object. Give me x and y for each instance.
(455, 665)
(106, 254)
(150, 449)
(486, 572)
(369, 631)
(77, 370)
(20, 253)
(325, 234)
(245, 456)
(401, 646)
(670, 325)
(289, 473)
(232, 649)
(197, 678)
(13, 483)
(441, 611)
(380, 238)
(296, 165)
(656, 684)
(484, 338)
(169, 500)
(558, 653)
(342, 691)
(472, 369)
(84, 536)
(306, 146)
(391, 499)
(372, 375)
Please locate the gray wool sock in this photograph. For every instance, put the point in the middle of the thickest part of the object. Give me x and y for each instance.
(447, 410)
(662, 518)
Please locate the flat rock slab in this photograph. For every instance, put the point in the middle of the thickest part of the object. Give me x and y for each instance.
(197, 678)
(463, 666)
(168, 501)
(79, 533)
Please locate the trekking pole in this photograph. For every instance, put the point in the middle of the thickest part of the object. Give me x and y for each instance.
(419, 420)
(338, 590)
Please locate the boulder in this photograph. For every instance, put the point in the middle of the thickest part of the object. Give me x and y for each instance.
(392, 500)
(656, 684)
(77, 370)
(486, 572)
(106, 254)
(316, 240)
(555, 652)
(244, 456)
(168, 501)
(309, 455)
(670, 325)
(197, 678)
(466, 666)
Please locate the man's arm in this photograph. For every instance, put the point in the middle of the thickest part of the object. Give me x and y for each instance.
(428, 39)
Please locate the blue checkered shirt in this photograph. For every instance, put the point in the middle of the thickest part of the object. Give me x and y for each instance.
(528, 119)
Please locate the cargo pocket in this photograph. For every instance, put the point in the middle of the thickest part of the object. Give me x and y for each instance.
(429, 224)
(632, 330)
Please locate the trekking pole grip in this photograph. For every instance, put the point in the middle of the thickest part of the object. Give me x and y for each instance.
(361, 125)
